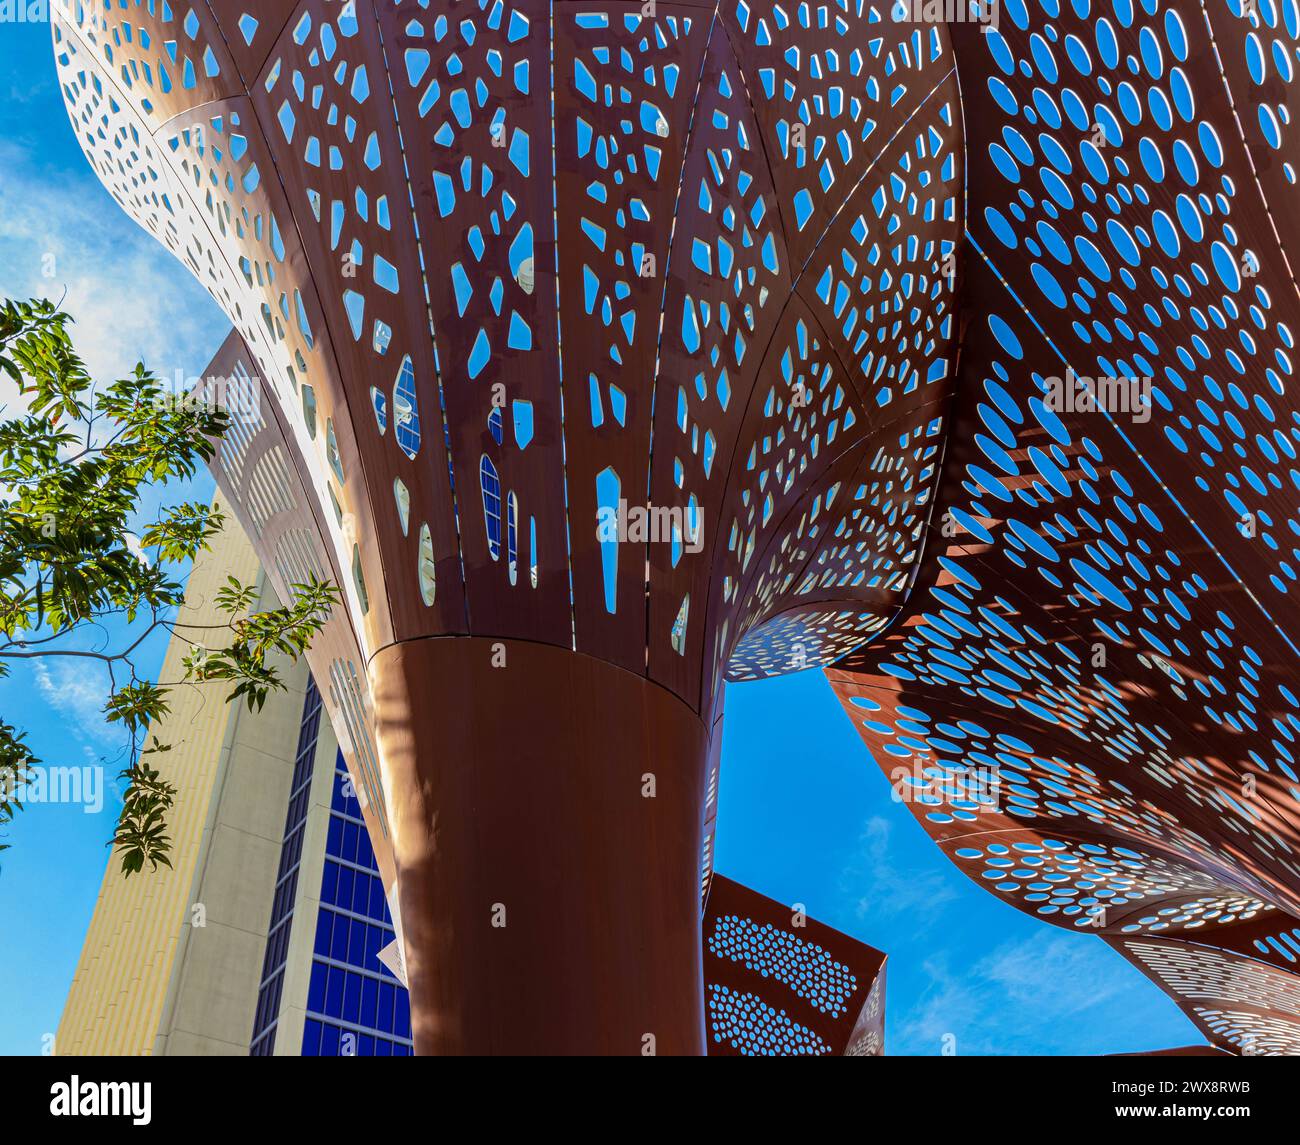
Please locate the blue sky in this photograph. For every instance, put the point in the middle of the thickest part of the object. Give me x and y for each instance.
(132, 302)
(805, 815)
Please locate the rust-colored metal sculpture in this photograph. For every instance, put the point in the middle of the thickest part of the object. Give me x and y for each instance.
(1090, 700)
(779, 983)
(609, 347)
(615, 352)
(1241, 995)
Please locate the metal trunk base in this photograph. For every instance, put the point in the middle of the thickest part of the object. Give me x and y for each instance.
(546, 812)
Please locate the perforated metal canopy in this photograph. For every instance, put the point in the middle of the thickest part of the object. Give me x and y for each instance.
(1105, 622)
(779, 983)
(956, 358)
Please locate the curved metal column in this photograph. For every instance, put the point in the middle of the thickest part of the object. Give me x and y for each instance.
(547, 816)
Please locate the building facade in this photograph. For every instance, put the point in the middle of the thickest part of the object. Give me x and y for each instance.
(204, 958)
(323, 989)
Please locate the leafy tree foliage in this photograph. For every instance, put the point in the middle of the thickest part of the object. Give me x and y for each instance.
(75, 462)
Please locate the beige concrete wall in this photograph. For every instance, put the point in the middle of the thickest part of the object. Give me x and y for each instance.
(148, 979)
(213, 991)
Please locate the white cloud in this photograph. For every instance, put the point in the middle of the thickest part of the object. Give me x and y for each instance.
(970, 986)
(77, 687)
(132, 301)
(881, 891)
(1007, 1000)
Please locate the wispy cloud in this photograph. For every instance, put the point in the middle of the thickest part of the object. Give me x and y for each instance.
(63, 237)
(130, 301)
(1002, 1002)
(881, 890)
(20, 93)
(77, 688)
